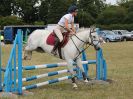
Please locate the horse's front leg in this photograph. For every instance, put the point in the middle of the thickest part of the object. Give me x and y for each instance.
(27, 52)
(70, 68)
(79, 64)
(27, 55)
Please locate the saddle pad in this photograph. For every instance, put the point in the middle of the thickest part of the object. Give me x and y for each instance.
(52, 37)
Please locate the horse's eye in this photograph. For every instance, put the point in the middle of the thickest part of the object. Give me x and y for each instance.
(94, 36)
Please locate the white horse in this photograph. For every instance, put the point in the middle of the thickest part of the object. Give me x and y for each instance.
(70, 52)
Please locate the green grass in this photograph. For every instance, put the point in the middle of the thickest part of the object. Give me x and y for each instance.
(119, 58)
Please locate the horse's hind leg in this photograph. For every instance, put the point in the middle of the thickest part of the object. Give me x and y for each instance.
(79, 64)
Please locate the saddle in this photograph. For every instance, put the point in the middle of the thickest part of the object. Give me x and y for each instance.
(52, 38)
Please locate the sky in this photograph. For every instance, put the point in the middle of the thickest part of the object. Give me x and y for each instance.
(111, 1)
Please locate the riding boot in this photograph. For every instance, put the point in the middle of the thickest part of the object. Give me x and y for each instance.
(56, 45)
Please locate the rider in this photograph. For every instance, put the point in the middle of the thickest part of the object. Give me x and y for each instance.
(63, 25)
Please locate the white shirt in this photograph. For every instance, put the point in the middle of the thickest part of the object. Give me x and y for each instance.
(69, 17)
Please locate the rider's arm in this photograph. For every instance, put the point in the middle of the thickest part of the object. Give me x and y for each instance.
(73, 29)
(66, 26)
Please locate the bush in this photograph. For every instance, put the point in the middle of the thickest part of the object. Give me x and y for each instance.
(10, 20)
(112, 15)
(38, 23)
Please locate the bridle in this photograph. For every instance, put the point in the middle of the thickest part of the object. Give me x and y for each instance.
(87, 43)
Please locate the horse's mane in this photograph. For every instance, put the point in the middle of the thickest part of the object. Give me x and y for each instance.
(82, 29)
(86, 29)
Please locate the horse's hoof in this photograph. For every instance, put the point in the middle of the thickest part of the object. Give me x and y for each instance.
(23, 58)
(86, 81)
(54, 53)
(75, 86)
(26, 58)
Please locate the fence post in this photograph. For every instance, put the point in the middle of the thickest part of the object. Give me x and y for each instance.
(98, 69)
(0, 66)
(105, 70)
(19, 32)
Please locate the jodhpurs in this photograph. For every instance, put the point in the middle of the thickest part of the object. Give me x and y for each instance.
(58, 31)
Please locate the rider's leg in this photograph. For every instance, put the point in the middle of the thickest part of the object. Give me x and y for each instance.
(59, 39)
(56, 45)
(58, 33)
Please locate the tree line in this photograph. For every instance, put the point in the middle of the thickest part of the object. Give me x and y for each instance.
(42, 12)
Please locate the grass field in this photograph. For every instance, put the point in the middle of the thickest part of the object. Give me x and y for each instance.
(119, 58)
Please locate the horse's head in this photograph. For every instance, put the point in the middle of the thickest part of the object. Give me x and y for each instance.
(94, 39)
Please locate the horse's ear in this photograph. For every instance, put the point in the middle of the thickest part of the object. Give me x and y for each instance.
(92, 28)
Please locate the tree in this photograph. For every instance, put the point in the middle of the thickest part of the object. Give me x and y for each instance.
(112, 15)
(5, 7)
(122, 1)
(94, 7)
(90, 9)
(129, 18)
(26, 9)
(130, 13)
(52, 10)
(43, 10)
(85, 19)
(10, 20)
(129, 7)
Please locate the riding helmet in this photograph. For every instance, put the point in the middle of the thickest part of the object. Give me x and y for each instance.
(72, 9)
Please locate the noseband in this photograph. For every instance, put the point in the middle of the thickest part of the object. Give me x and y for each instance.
(92, 38)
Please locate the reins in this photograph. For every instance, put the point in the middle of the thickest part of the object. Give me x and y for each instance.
(83, 42)
(87, 44)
